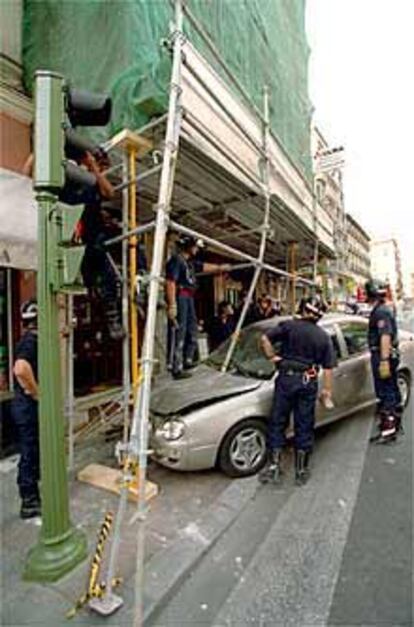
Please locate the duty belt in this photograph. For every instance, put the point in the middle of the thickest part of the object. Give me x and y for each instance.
(290, 367)
(186, 291)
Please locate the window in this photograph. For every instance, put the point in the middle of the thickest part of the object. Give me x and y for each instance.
(355, 336)
(334, 339)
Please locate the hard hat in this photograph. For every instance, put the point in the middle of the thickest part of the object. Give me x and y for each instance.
(28, 311)
(375, 288)
(313, 306)
(188, 241)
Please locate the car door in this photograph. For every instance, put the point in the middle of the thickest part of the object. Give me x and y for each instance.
(341, 384)
(356, 365)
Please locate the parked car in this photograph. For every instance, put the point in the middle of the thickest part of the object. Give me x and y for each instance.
(219, 419)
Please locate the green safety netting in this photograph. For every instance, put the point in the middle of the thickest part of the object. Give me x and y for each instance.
(114, 45)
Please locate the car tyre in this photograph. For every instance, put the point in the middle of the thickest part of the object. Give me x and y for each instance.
(404, 383)
(243, 450)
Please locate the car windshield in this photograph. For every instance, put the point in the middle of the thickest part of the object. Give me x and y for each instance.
(248, 358)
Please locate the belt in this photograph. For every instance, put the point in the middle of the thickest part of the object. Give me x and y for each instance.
(186, 291)
(295, 368)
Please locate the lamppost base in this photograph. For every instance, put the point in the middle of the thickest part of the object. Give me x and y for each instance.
(50, 559)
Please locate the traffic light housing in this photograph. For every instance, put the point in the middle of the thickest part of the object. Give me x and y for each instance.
(58, 147)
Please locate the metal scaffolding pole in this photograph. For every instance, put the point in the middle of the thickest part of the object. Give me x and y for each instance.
(126, 375)
(235, 252)
(139, 429)
(265, 230)
(136, 449)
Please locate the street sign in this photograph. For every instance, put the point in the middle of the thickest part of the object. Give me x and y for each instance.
(330, 159)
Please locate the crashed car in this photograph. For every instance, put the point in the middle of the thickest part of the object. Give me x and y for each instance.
(216, 419)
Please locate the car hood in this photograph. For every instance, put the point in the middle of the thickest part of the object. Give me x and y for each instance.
(206, 386)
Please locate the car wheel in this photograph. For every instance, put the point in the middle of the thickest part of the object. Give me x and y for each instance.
(404, 384)
(243, 450)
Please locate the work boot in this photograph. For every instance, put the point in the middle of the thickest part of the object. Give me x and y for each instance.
(302, 469)
(272, 470)
(388, 429)
(182, 374)
(30, 507)
(115, 329)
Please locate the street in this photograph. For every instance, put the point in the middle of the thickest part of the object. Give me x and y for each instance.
(337, 552)
(222, 552)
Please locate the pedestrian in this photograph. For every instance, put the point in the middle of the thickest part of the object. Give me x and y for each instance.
(266, 309)
(25, 412)
(181, 286)
(305, 348)
(385, 359)
(94, 228)
(222, 325)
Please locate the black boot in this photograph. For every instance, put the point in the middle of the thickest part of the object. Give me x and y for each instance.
(30, 507)
(302, 469)
(272, 470)
(115, 330)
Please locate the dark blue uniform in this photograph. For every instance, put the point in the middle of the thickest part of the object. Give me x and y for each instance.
(382, 322)
(25, 415)
(182, 341)
(95, 262)
(304, 348)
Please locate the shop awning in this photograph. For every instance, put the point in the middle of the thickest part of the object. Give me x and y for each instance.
(18, 221)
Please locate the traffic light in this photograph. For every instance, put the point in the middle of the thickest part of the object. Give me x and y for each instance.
(58, 147)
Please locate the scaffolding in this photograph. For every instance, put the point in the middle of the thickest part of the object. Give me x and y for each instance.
(254, 193)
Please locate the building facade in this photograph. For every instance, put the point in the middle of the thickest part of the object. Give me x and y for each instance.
(328, 187)
(386, 264)
(358, 261)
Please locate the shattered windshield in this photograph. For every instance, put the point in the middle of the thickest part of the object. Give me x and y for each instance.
(248, 358)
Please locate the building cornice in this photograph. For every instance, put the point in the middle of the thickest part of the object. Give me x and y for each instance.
(13, 101)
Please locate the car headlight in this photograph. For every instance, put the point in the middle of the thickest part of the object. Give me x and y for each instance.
(171, 430)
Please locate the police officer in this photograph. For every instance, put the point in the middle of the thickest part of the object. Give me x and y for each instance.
(383, 344)
(93, 229)
(181, 286)
(25, 412)
(305, 348)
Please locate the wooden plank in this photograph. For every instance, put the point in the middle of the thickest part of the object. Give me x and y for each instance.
(127, 139)
(110, 479)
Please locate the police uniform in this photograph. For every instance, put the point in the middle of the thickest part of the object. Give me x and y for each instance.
(382, 322)
(182, 340)
(25, 415)
(305, 348)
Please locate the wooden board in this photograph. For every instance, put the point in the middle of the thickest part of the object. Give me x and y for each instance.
(128, 139)
(109, 479)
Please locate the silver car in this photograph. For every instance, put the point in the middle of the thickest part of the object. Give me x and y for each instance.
(215, 419)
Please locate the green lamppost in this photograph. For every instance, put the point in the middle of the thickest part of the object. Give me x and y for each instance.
(61, 546)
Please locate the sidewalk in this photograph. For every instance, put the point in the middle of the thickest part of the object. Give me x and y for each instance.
(189, 514)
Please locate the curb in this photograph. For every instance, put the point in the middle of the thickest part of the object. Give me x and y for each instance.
(167, 569)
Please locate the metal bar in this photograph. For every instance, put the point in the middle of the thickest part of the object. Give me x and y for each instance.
(265, 230)
(126, 376)
(70, 400)
(233, 251)
(210, 45)
(139, 230)
(139, 429)
(152, 124)
(112, 169)
(137, 179)
(133, 272)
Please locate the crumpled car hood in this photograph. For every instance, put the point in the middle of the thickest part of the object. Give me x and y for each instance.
(206, 386)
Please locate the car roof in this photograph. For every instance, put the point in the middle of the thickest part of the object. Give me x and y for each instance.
(329, 318)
